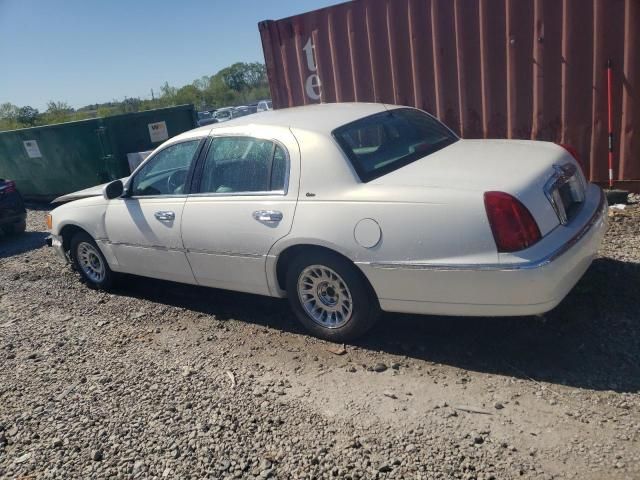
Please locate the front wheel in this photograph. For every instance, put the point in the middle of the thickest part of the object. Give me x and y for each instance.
(90, 263)
(330, 297)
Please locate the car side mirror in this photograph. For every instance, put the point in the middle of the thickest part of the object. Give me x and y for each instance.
(113, 190)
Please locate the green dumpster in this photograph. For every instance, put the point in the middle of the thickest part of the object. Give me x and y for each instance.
(53, 160)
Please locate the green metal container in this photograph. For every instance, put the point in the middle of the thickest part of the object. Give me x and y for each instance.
(53, 160)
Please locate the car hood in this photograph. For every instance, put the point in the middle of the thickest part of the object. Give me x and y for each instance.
(95, 191)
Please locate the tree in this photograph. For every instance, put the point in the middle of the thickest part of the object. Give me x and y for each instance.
(9, 117)
(255, 75)
(131, 105)
(58, 108)
(57, 112)
(243, 76)
(202, 83)
(8, 111)
(188, 94)
(247, 80)
(167, 93)
(240, 83)
(27, 116)
(234, 76)
(218, 94)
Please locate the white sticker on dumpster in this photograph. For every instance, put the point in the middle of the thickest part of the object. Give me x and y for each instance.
(158, 132)
(31, 146)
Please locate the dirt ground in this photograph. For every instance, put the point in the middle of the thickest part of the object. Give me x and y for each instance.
(160, 380)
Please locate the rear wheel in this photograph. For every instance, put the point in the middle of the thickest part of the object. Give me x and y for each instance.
(330, 297)
(90, 263)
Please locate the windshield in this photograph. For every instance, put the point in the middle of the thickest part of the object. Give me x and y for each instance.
(386, 141)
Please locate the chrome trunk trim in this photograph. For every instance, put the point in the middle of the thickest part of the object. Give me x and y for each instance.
(563, 175)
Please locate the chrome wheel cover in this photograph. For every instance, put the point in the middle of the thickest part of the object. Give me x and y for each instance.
(325, 296)
(91, 262)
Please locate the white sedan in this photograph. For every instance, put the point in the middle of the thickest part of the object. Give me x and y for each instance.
(346, 210)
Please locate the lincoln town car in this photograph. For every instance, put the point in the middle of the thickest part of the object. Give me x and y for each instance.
(346, 210)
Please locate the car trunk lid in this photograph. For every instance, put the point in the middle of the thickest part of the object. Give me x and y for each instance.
(542, 175)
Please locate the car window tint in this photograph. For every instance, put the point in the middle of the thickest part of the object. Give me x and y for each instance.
(386, 141)
(242, 164)
(279, 169)
(166, 172)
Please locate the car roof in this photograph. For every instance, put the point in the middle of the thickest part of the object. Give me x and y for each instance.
(320, 118)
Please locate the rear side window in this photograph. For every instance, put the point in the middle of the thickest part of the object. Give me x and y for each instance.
(386, 141)
(244, 165)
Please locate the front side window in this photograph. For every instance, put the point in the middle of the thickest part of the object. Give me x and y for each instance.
(244, 165)
(383, 142)
(166, 172)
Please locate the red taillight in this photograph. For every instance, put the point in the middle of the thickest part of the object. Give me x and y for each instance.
(512, 224)
(9, 187)
(574, 153)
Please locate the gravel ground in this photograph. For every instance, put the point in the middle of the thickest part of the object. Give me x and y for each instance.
(159, 380)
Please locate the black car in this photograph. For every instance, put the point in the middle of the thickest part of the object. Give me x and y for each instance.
(13, 215)
(207, 121)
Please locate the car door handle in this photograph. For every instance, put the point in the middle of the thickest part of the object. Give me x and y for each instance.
(165, 216)
(269, 216)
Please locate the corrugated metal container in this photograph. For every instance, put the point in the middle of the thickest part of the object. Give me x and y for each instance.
(53, 160)
(532, 69)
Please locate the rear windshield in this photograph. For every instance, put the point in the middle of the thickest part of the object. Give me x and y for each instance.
(386, 141)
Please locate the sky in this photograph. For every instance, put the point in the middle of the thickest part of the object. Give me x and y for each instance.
(92, 51)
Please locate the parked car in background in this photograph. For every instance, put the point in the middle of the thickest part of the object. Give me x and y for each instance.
(207, 121)
(264, 105)
(346, 209)
(224, 114)
(13, 215)
(253, 108)
(242, 110)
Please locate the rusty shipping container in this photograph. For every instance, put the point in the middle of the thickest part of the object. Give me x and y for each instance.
(533, 69)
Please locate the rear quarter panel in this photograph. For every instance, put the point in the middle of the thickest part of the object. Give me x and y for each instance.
(441, 228)
(416, 225)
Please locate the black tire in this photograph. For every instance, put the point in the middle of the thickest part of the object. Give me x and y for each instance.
(14, 228)
(364, 304)
(80, 241)
(19, 227)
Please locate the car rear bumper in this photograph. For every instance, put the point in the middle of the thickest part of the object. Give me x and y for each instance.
(12, 209)
(11, 218)
(55, 242)
(531, 283)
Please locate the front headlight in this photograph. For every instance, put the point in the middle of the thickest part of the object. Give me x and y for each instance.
(49, 220)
